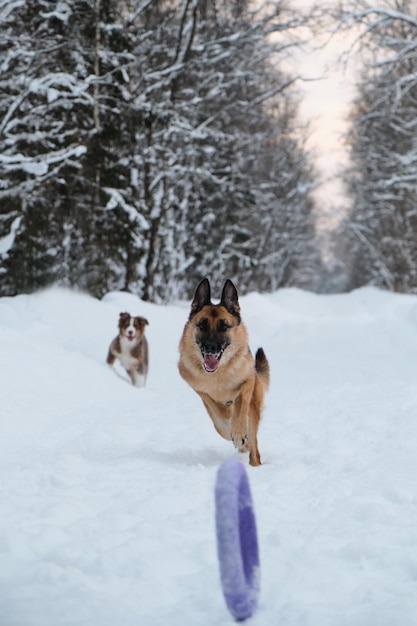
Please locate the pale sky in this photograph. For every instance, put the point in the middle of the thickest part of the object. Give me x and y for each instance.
(325, 105)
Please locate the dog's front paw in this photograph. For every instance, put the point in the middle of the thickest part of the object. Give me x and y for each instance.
(240, 441)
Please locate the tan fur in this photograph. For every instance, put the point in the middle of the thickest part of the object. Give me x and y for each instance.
(233, 394)
(133, 352)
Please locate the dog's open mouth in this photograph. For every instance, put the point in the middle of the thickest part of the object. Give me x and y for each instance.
(211, 361)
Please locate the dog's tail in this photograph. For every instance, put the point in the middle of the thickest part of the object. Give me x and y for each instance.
(262, 367)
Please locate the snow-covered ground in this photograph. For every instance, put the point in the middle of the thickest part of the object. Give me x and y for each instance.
(107, 491)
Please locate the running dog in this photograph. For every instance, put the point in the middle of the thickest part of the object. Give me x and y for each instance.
(215, 360)
(131, 348)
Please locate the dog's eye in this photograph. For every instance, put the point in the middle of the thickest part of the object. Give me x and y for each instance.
(222, 326)
(202, 325)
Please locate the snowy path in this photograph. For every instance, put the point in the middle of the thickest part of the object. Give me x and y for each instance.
(106, 507)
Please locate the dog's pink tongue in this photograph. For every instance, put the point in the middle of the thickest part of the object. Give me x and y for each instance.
(211, 362)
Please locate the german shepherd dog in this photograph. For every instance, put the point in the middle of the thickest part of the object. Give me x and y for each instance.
(215, 360)
(131, 348)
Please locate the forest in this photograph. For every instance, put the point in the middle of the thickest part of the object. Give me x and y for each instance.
(145, 144)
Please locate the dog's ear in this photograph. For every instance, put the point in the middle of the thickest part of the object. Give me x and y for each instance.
(202, 297)
(230, 298)
(123, 320)
(143, 321)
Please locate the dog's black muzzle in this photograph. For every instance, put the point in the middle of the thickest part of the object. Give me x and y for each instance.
(212, 352)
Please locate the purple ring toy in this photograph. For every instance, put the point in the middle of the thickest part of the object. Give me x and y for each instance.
(237, 541)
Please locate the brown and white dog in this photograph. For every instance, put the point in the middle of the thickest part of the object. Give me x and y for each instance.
(131, 348)
(215, 360)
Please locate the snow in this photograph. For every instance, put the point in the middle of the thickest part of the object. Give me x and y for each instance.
(116, 199)
(40, 167)
(107, 491)
(6, 242)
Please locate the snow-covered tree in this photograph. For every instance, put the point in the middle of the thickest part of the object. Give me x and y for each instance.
(145, 144)
(382, 227)
(66, 145)
(39, 139)
(236, 195)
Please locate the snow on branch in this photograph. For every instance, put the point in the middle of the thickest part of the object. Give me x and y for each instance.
(6, 242)
(385, 13)
(116, 199)
(50, 83)
(39, 166)
(61, 12)
(7, 7)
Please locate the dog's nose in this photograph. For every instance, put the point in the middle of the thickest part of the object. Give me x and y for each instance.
(211, 347)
